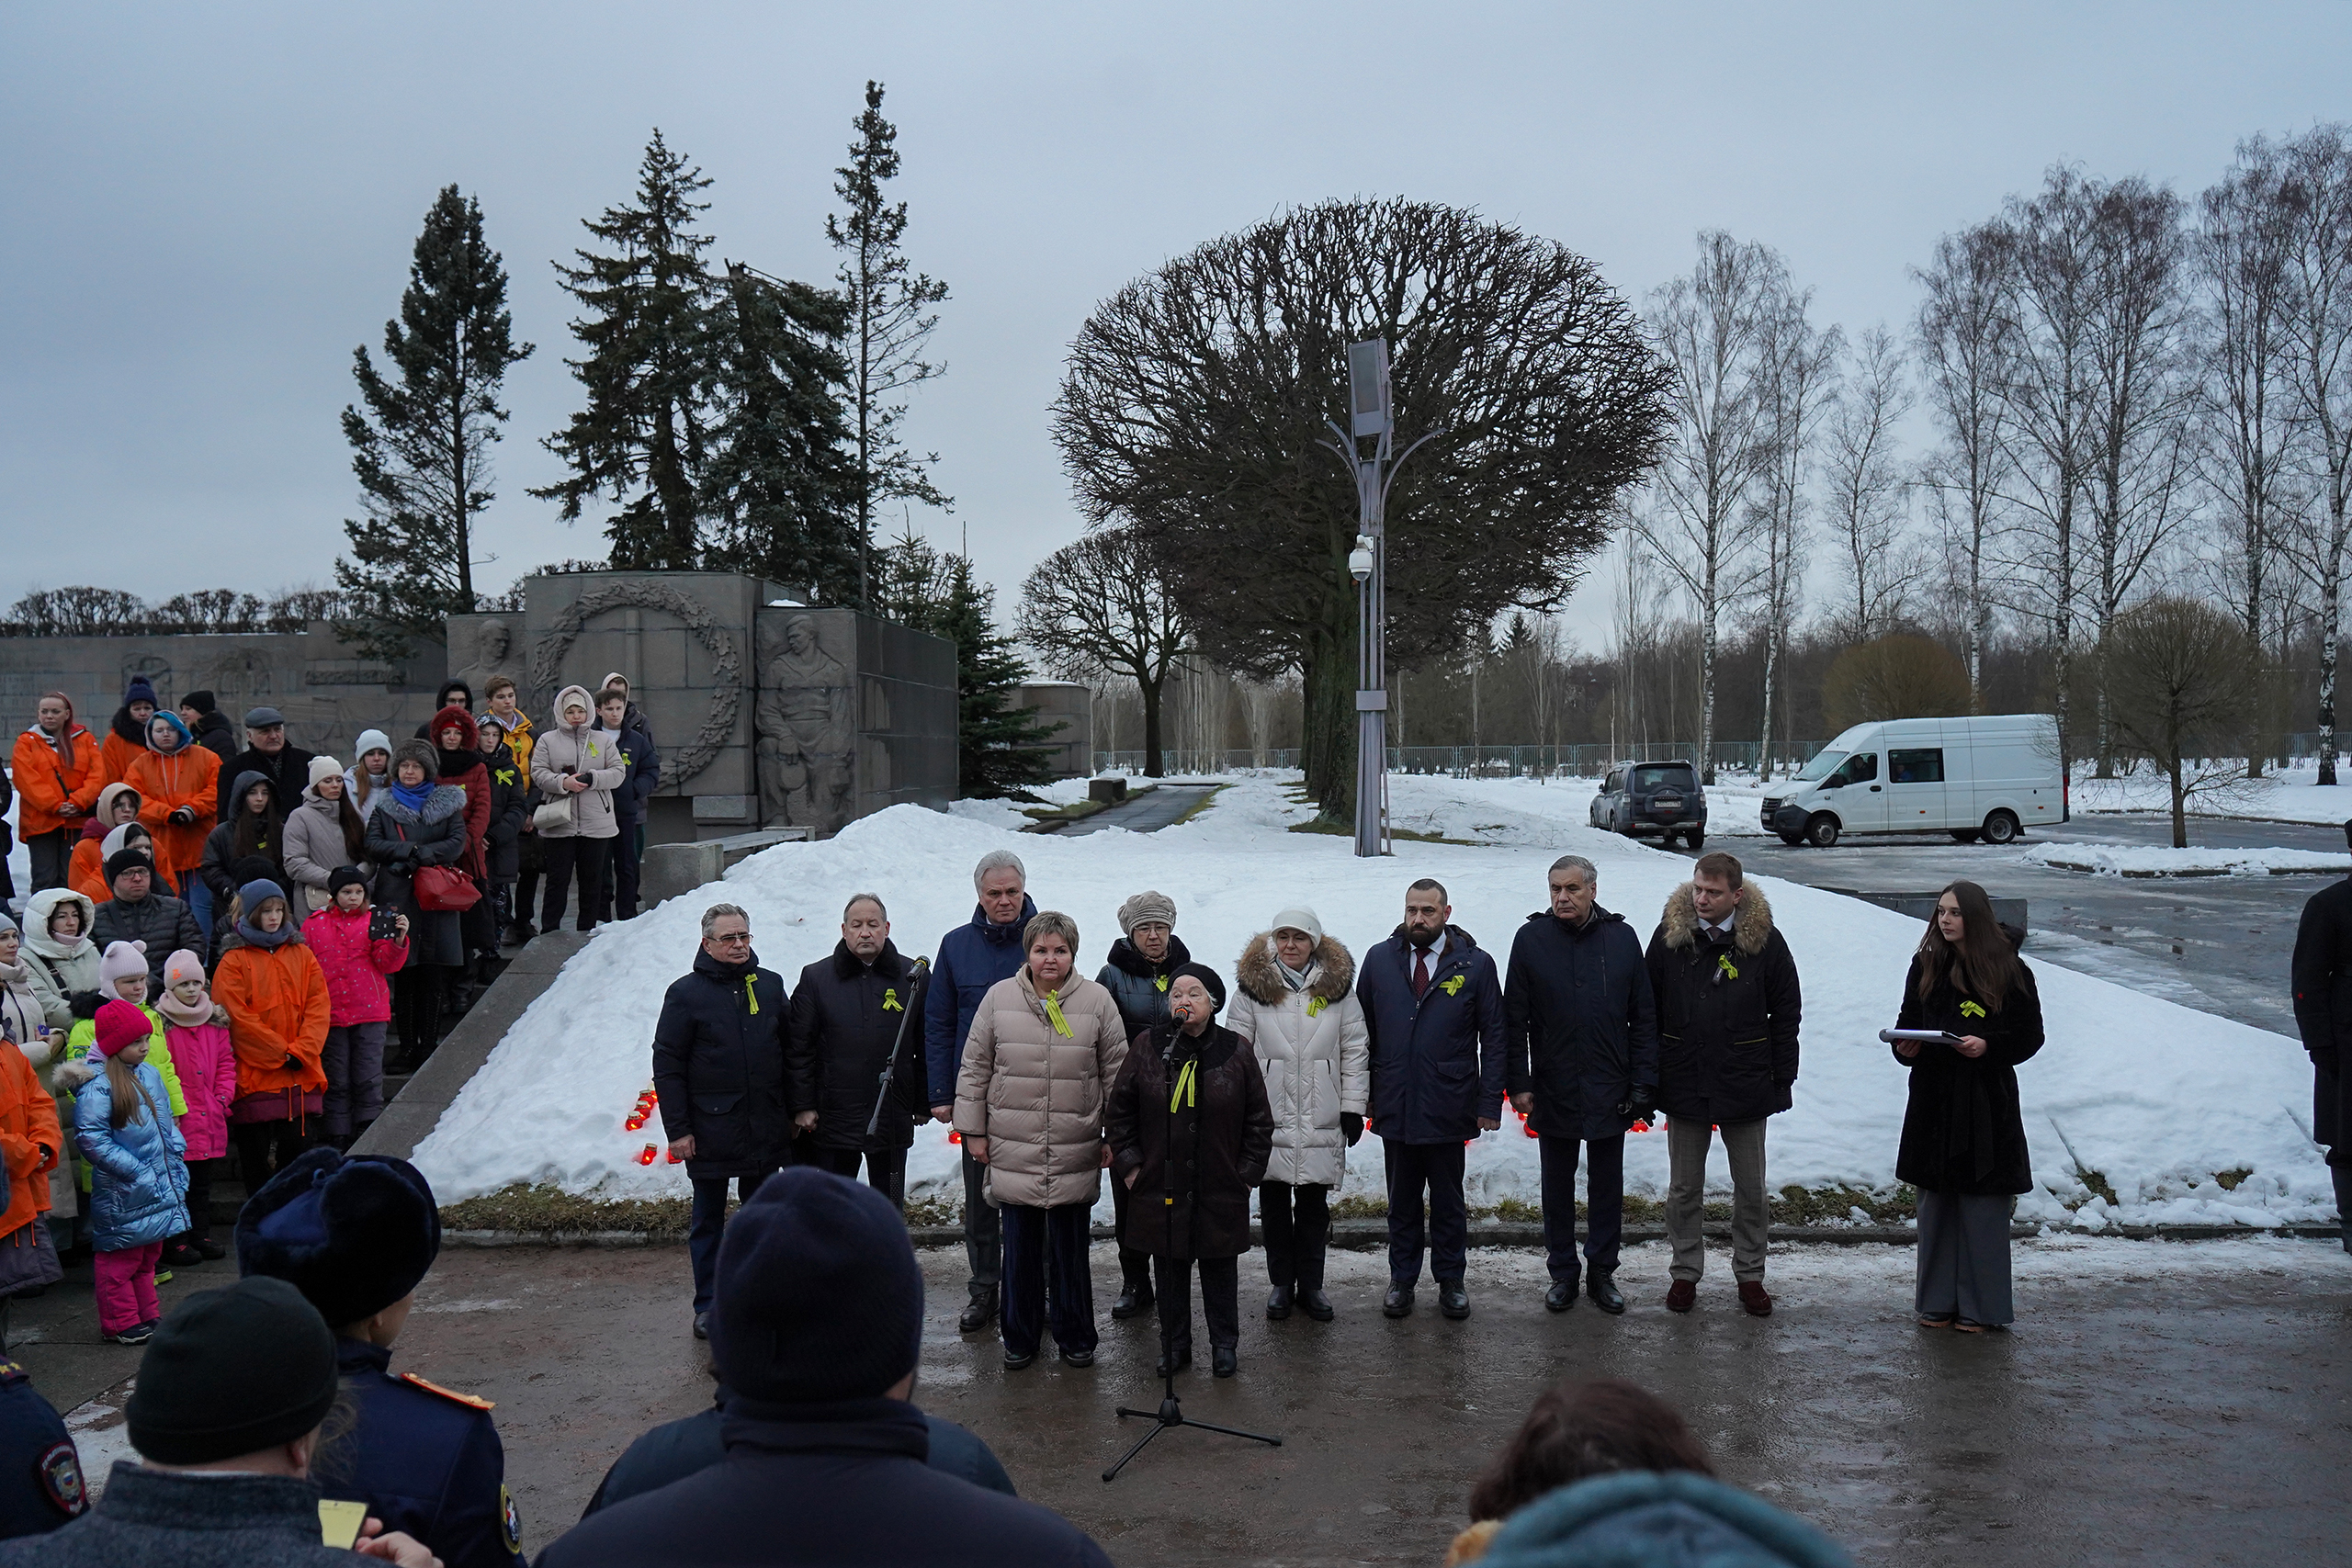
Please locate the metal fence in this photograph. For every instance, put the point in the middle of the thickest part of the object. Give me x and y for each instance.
(1581, 762)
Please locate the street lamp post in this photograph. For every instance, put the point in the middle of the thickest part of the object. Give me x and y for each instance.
(1371, 419)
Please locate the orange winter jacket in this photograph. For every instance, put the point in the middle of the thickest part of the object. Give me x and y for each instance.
(46, 781)
(87, 873)
(278, 1007)
(116, 755)
(190, 777)
(30, 1142)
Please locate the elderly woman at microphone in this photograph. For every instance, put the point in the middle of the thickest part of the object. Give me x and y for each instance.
(1190, 1132)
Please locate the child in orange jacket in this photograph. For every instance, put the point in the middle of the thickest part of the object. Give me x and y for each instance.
(118, 807)
(278, 1011)
(179, 791)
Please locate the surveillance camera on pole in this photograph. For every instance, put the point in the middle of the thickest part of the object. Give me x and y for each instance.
(1372, 418)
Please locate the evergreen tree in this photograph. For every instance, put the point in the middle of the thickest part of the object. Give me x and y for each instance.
(646, 329)
(1000, 746)
(888, 326)
(421, 450)
(779, 487)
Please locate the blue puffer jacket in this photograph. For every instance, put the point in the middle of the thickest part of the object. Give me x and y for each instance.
(1671, 1519)
(136, 1174)
(138, 1182)
(972, 957)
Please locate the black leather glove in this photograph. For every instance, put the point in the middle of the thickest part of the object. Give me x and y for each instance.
(1352, 1125)
(85, 1004)
(183, 815)
(1641, 1106)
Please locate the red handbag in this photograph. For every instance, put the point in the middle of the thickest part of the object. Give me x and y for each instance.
(444, 888)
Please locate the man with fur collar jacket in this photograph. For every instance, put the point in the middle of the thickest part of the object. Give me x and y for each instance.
(1729, 1010)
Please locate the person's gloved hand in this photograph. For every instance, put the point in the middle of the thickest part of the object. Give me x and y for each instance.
(85, 1004)
(1352, 1126)
(183, 815)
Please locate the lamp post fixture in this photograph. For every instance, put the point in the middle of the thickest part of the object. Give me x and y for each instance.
(1371, 419)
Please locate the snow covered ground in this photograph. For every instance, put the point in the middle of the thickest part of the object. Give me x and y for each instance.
(2293, 794)
(2160, 1101)
(2162, 860)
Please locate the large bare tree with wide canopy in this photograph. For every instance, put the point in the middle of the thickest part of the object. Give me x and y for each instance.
(1195, 409)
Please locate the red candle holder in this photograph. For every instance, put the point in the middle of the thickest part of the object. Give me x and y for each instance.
(646, 1156)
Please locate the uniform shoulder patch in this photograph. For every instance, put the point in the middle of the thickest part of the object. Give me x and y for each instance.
(510, 1520)
(12, 1371)
(471, 1401)
(59, 1471)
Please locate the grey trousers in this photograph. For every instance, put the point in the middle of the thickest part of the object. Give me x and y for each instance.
(1686, 1196)
(1964, 1255)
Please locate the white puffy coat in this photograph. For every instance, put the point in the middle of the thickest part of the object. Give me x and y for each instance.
(1312, 1047)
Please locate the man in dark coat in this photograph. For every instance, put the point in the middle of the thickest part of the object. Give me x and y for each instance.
(1583, 1070)
(268, 753)
(718, 1078)
(138, 913)
(971, 959)
(1728, 1008)
(849, 1012)
(2323, 981)
(41, 1485)
(1149, 951)
(816, 1330)
(1433, 1010)
(201, 711)
(356, 1235)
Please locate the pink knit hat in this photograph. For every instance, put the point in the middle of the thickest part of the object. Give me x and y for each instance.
(119, 1024)
(120, 962)
(182, 965)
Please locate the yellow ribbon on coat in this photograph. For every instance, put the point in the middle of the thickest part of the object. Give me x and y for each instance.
(751, 995)
(1187, 1088)
(1054, 1013)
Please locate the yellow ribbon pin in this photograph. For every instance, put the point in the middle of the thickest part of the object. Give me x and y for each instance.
(1054, 1014)
(1186, 1089)
(890, 1000)
(1161, 984)
(1724, 963)
(751, 995)
(1969, 1009)
(1452, 987)
(1316, 1004)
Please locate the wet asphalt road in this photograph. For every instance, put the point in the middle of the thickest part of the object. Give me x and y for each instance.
(2157, 1403)
(1144, 812)
(2220, 944)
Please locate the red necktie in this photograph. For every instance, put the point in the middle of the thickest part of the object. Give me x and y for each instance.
(1421, 972)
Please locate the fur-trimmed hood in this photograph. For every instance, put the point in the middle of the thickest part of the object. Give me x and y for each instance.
(444, 802)
(69, 1076)
(1751, 922)
(1259, 971)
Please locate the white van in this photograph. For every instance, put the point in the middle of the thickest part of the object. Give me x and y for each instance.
(1973, 778)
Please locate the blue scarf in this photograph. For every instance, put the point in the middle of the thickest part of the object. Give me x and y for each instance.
(414, 796)
(257, 937)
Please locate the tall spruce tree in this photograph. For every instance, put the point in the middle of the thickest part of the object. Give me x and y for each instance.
(778, 488)
(421, 449)
(888, 324)
(646, 328)
(1000, 746)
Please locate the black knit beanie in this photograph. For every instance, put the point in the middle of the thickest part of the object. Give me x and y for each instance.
(233, 1372)
(819, 1294)
(126, 860)
(202, 702)
(1206, 976)
(345, 876)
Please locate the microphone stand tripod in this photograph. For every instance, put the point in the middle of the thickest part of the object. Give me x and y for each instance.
(1171, 1412)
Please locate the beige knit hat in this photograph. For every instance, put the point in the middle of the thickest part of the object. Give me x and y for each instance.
(1144, 909)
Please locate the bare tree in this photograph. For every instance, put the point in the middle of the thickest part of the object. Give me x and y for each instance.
(1801, 366)
(1099, 608)
(1711, 328)
(2241, 254)
(2051, 240)
(2317, 189)
(1870, 490)
(2143, 391)
(2178, 670)
(1966, 338)
(79, 611)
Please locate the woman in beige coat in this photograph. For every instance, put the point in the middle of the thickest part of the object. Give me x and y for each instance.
(1045, 1048)
(575, 761)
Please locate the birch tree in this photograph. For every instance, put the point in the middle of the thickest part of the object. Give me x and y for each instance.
(1800, 370)
(2318, 336)
(1869, 491)
(1966, 339)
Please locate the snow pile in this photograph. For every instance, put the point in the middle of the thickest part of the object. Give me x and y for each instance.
(2163, 860)
(2151, 1100)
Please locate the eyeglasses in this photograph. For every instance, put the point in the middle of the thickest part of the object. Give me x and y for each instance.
(731, 938)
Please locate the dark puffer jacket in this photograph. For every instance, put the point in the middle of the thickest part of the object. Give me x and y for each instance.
(2322, 980)
(1195, 1165)
(1139, 986)
(221, 845)
(1582, 1025)
(845, 1017)
(163, 922)
(1437, 1063)
(972, 958)
(510, 797)
(1727, 1012)
(719, 1067)
(402, 839)
(1963, 1130)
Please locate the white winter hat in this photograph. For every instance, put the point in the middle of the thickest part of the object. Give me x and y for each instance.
(371, 740)
(1298, 918)
(121, 961)
(324, 768)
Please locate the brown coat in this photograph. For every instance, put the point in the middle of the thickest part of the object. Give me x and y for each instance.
(1036, 1095)
(1195, 1164)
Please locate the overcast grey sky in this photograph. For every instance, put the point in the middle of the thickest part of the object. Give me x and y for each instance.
(207, 207)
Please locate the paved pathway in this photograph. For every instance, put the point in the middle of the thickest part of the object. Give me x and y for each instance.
(1146, 812)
